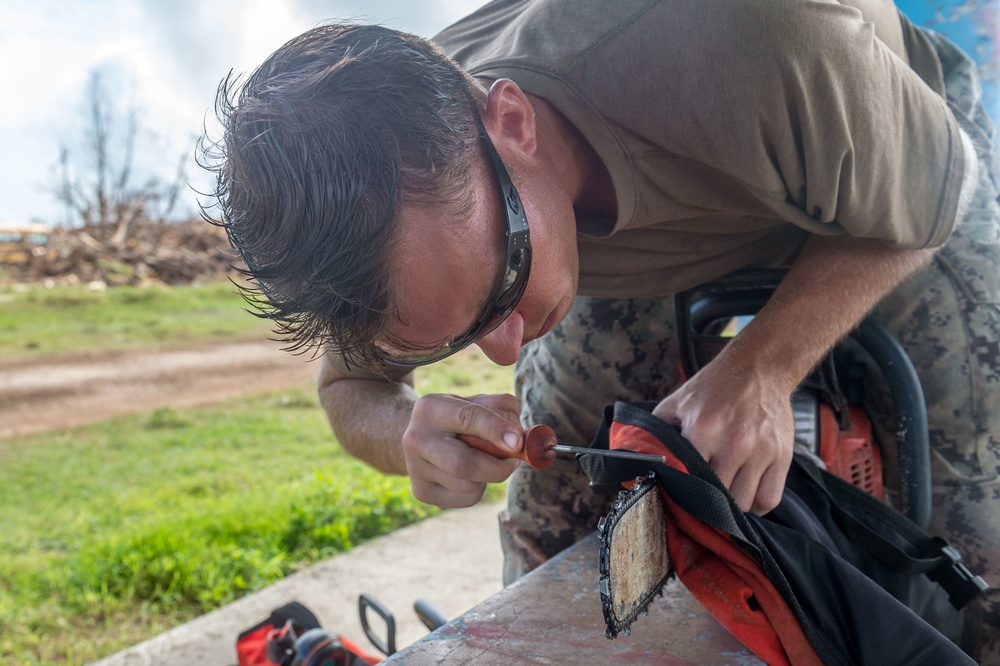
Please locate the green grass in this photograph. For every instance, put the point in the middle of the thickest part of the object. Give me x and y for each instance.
(36, 322)
(112, 533)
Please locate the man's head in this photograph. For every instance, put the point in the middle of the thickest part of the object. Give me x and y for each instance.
(321, 145)
(359, 183)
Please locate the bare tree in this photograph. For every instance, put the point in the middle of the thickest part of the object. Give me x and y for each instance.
(104, 199)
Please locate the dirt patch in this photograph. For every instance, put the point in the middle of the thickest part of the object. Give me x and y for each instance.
(51, 395)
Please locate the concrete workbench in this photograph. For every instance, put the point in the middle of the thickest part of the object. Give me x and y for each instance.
(553, 616)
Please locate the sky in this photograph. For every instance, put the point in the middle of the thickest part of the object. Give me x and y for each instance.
(165, 58)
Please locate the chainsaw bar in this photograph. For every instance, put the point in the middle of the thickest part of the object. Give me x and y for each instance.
(634, 563)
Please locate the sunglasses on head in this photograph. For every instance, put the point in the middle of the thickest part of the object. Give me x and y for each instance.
(509, 287)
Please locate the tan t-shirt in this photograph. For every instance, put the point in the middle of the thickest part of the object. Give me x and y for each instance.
(732, 129)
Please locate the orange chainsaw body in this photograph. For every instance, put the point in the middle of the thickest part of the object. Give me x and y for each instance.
(851, 454)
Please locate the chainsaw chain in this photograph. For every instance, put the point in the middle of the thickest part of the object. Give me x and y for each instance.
(605, 528)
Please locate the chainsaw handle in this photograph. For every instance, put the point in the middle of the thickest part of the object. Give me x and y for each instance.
(387, 646)
(537, 450)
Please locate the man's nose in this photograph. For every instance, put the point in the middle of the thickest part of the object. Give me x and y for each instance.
(503, 344)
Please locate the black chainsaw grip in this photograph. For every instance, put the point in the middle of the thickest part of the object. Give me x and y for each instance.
(387, 646)
(432, 616)
(911, 418)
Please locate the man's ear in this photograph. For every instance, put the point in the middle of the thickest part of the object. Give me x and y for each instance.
(509, 117)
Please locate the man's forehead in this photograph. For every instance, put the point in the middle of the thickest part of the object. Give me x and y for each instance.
(445, 274)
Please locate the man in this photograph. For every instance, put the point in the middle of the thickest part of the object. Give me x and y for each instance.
(654, 146)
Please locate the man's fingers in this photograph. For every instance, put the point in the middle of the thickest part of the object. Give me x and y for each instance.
(772, 486)
(459, 478)
(458, 460)
(449, 461)
(451, 415)
(448, 473)
(743, 487)
(503, 404)
(446, 498)
(666, 411)
(757, 492)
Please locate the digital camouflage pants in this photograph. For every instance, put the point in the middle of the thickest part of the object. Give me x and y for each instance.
(947, 317)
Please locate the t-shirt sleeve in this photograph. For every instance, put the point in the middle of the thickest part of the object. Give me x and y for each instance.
(797, 101)
(861, 143)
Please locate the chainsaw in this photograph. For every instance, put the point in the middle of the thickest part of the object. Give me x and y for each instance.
(833, 427)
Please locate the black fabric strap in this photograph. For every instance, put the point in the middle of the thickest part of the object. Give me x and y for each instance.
(878, 524)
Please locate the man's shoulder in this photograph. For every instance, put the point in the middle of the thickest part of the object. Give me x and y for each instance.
(542, 34)
(559, 35)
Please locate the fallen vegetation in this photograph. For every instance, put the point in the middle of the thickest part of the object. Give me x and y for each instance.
(153, 252)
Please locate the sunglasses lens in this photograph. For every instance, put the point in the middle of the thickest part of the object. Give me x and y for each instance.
(515, 279)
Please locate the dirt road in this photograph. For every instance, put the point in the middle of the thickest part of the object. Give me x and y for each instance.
(35, 397)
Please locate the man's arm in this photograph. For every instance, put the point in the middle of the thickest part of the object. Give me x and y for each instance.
(396, 431)
(736, 410)
(368, 415)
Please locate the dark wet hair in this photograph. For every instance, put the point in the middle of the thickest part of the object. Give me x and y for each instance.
(320, 144)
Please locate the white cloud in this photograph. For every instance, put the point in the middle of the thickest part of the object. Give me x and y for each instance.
(170, 55)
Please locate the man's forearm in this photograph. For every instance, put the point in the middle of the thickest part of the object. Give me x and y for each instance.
(831, 287)
(368, 418)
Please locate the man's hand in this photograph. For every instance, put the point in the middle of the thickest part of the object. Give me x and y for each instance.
(742, 424)
(391, 427)
(445, 471)
(737, 410)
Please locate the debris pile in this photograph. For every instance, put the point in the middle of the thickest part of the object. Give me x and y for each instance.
(154, 252)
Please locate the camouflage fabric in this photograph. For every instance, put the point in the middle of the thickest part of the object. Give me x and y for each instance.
(604, 350)
(947, 316)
